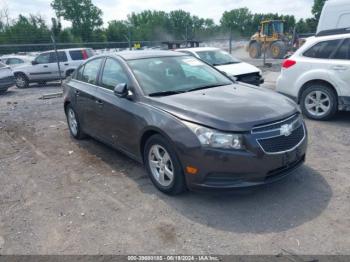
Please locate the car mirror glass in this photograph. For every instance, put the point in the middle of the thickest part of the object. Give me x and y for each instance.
(34, 62)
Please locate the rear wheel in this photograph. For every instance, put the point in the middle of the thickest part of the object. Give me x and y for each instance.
(278, 50)
(73, 123)
(163, 166)
(21, 81)
(319, 102)
(255, 50)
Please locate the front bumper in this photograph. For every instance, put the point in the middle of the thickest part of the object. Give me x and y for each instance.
(229, 169)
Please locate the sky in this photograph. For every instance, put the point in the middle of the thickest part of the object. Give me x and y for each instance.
(118, 9)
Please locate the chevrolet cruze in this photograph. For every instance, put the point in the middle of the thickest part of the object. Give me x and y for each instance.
(190, 125)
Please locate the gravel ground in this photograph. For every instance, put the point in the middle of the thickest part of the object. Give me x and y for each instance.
(60, 196)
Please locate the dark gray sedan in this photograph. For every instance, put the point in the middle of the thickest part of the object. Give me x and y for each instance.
(189, 124)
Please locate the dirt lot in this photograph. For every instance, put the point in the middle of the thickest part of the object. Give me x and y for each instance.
(60, 196)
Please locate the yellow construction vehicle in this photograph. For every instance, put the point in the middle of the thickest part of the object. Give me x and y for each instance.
(270, 38)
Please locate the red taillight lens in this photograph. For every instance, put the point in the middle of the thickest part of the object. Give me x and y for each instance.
(85, 55)
(288, 63)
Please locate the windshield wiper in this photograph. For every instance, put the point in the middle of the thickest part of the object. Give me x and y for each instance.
(204, 87)
(165, 93)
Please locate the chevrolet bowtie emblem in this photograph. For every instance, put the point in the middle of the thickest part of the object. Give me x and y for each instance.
(286, 130)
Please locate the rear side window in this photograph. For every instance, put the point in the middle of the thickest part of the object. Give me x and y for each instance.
(91, 70)
(62, 57)
(343, 52)
(81, 54)
(322, 49)
(113, 74)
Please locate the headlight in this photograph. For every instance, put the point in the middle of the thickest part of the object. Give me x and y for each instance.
(216, 139)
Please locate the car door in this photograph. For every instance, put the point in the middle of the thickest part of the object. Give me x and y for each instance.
(119, 124)
(84, 84)
(40, 69)
(340, 65)
(53, 66)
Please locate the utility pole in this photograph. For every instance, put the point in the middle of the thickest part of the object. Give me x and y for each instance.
(57, 58)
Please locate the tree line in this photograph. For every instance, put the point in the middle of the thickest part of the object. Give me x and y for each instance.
(149, 25)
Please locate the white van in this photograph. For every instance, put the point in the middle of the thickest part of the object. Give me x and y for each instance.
(335, 15)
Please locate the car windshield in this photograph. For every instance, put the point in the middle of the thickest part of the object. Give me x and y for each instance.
(172, 75)
(217, 57)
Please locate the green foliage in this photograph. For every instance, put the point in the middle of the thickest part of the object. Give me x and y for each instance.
(317, 8)
(25, 30)
(84, 16)
(86, 25)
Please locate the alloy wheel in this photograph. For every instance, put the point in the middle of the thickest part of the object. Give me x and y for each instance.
(20, 81)
(72, 121)
(161, 165)
(317, 103)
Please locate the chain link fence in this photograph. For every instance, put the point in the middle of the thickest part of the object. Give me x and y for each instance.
(101, 47)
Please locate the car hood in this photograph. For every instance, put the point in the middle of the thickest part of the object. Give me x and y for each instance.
(241, 68)
(236, 107)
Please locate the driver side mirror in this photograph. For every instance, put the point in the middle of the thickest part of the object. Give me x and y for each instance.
(121, 90)
(34, 62)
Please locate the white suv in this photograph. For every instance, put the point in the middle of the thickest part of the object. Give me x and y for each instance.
(44, 67)
(317, 76)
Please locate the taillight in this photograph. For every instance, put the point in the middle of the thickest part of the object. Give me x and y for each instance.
(288, 63)
(85, 54)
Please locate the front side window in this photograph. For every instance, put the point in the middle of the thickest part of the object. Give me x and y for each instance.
(343, 53)
(79, 74)
(217, 57)
(322, 50)
(91, 71)
(175, 74)
(43, 58)
(113, 74)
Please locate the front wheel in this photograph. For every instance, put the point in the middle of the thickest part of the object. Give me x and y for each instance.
(255, 50)
(319, 102)
(163, 166)
(21, 81)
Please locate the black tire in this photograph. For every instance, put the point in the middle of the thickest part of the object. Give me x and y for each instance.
(21, 81)
(327, 92)
(255, 50)
(178, 184)
(278, 50)
(78, 134)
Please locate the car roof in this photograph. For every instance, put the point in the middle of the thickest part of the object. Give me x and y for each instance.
(142, 54)
(198, 49)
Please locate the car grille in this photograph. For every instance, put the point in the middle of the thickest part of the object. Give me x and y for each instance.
(276, 125)
(283, 143)
(252, 78)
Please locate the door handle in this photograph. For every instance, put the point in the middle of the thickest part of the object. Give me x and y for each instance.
(99, 102)
(46, 66)
(339, 67)
(66, 64)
